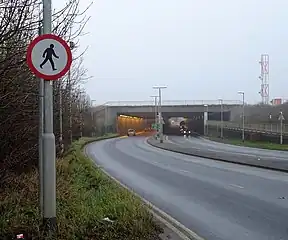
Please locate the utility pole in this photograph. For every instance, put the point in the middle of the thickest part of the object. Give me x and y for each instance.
(221, 103)
(160, 112)
(49, 152)
(243, 115)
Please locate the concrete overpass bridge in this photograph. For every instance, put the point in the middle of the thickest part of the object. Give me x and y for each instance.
(141, 114)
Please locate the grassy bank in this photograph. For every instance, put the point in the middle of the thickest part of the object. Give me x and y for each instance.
(84, 197)
(254, 144)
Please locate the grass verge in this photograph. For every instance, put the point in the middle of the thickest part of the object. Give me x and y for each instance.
(85, 196)
(253, 144)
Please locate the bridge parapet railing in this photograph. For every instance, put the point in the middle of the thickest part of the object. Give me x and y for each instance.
(269, 128)
(172, 103)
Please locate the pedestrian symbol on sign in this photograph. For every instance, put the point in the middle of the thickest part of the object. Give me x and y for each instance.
(49, 57)
(48, 54)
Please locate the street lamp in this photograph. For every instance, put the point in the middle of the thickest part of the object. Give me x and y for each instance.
(60, 118)
(155, 102)
(221, 103)
(270, 121)
(281, 118)
(205, 120)
(72, 46)
(243, 115)
(159, 110)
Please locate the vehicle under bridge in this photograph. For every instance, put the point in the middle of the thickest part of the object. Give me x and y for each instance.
(139, 117)
(194, 121)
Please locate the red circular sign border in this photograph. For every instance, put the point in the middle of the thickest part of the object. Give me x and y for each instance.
(29, 57)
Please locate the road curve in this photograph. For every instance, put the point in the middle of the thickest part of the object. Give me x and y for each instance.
(217, 200)
(205, 144)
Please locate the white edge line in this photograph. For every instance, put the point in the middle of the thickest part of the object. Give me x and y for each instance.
(235, 185)
(170, 222)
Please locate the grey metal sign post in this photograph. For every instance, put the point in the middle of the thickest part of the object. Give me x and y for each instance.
(49, 150)
(41, 131)
(49, 58)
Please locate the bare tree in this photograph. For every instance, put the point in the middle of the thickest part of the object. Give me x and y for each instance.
(19, 88)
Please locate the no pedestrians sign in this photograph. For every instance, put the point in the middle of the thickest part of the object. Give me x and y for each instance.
(49, 57)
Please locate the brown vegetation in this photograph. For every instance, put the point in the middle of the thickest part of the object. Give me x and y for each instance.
(260, 113)
(19, 88)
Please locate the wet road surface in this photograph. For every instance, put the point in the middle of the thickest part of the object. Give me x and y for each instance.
(209, 145)
(217, 200)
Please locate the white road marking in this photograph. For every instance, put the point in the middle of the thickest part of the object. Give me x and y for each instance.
(184, 171)
(237, 186)
(154, 162)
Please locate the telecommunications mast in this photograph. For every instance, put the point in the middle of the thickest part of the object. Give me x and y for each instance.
(264, 77)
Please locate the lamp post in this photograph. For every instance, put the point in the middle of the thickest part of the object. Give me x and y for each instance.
(60, 118)
(243, 115)
(281, 118)
(221, 103)
(206, 120)
(155, 109)
(72, 46)
(160, 111)
(270, 121)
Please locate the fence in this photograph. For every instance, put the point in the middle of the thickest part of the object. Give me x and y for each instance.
(267, 128)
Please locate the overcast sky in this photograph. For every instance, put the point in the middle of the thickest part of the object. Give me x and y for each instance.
(204, 49)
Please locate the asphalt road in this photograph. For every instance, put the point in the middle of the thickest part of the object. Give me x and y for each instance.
(217, 200)
(208, 145)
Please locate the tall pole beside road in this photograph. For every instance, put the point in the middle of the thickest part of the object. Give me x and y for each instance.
(270, 121)
(70, 107)
(206, 120)
(49, 153)
(155, 109)
(106, 119)
(72, 46)
(243, 115)
(160, 112)
(37, 56)
(221, 103)
(41, 131)
(60, 119)
(281, 118)
(81, 114)
(92, 118)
